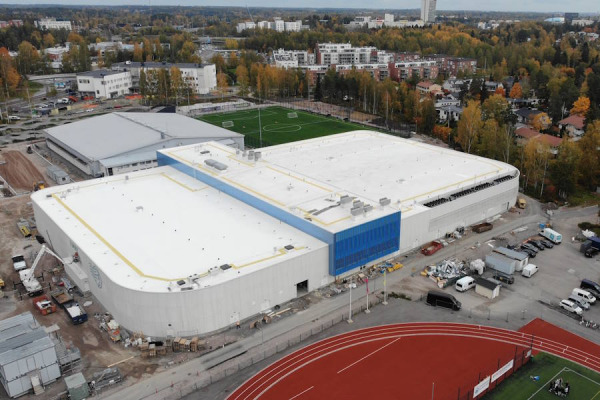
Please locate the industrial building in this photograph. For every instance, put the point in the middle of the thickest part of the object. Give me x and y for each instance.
(28, 359)
(215, 235)
(117, 143)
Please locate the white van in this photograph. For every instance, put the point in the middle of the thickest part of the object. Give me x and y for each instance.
(464, 284)
(529, 270)
(581, 294)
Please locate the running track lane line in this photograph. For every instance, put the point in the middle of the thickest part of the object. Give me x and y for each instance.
(496, 334)
(370, 354)
(301, 393)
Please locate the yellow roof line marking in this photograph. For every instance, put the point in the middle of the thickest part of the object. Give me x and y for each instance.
(300, 179)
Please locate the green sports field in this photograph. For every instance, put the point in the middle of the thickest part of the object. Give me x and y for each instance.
(584, 383)
(278, 127)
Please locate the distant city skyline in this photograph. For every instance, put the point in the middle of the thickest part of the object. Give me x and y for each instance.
(548, 6)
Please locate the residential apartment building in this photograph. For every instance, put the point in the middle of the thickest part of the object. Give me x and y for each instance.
(55, 56)
(201, 77)
(292, 58)
(12, 22)
(104, 84)
(378, 71)
(277, 25)
(453, 65)
(428, 10)
(400, 71)
(344, 53)
(52, 23)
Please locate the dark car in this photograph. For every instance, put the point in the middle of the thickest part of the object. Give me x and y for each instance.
(529, 247)
(504, 278)
(547, 244)
(591, 252)
(527, 251)
(537, 244)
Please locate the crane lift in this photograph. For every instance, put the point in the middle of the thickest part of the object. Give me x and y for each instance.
(31, 284)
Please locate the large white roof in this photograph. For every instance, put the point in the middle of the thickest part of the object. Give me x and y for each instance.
(116, 133)
(159, 226)
(308, 176)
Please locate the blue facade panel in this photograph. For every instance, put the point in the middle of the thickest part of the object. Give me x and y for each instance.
(348, 249)
(361, 244)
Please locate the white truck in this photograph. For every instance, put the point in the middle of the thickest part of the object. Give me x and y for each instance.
(31, 284)
(551, 235)
(19, 262)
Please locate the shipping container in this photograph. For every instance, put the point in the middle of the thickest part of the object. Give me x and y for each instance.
(501, 263)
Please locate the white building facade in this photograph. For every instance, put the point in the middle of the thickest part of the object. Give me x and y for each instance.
(428, 10)
(52, 23)
(104, 84)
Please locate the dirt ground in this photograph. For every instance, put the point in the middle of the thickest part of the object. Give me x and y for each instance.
(19, 171)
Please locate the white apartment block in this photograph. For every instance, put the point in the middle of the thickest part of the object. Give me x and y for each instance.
(104, 84)
(277, 25)
(202, 78)
(344, 53)
(52, 23)
(428, 10)
(292, 58)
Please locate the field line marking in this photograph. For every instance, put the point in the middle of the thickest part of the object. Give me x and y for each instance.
(545, 384)
(368, 355)
(583, 376)
(301, 393)
(597, 393)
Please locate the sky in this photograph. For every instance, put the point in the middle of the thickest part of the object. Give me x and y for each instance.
(584, 6)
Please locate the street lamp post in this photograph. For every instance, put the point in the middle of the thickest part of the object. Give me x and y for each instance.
(352, 285)
(367, 310)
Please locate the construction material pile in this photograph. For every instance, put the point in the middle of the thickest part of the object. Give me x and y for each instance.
(446, 272)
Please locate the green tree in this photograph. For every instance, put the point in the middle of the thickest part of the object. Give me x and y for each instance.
(590, 156)
(565, 169)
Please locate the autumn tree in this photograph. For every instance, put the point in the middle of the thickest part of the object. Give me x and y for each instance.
(28, 60)
(48, 40)
(219, 62)
(536, 155)
(581, 106)
(590, 156)
(222, 83)
(469, 126)
(9, 77)
(241, 73)
(541, 121)
(231, 44)
(516, 92)
(138, 53)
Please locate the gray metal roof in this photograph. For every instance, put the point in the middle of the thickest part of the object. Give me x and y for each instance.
(152, 64)
(117, 133)
(99, 73)
(21, 337)
(486, 283)
(74, 381)
(516, 255)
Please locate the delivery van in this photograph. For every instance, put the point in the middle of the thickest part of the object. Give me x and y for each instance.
(441, 299)
(464, 284)
(583, 295)
(551, 235)
(529, 270)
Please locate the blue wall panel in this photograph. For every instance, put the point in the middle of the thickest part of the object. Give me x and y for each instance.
(348, 249)
(357, 246)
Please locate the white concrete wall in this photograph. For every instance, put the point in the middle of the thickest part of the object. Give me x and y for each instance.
(195, 311)
(431, 224)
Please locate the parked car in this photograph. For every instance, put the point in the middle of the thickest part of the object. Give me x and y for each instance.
(537, 245)
(530, 247)
(570, 306)
(580, 302)
(528, 251)
(548, 244)
(14, 118)
(504, 278)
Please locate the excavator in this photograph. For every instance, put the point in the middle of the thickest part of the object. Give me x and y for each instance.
(31, 284)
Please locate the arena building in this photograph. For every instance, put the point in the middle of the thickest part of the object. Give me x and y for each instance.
(215, 235)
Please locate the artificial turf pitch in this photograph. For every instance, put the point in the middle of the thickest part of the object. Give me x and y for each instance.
(584, 383)
(278, 127)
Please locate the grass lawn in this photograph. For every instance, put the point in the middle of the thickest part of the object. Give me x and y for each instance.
(277, 127)
(584, 383)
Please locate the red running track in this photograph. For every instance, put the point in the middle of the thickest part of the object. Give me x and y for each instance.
(401, 361)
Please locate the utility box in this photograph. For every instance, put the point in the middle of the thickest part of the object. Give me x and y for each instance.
(77, 387)
(487, 288)
(58, 175)
(501, 263)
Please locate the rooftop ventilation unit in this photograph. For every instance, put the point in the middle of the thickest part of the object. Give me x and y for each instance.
(356, 210)
(289, 247)
(345, 199)
(215, 164)
(368, 208)
(225, 267)
(257, 155)
(357, 203)
(384, 201)
(205, 152)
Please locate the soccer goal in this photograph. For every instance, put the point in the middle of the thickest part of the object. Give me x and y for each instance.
(292, 115)
(227, 124)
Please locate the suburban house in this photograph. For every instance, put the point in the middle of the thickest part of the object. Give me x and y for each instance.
(573, 125)
(428, 87)
(525, 134)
